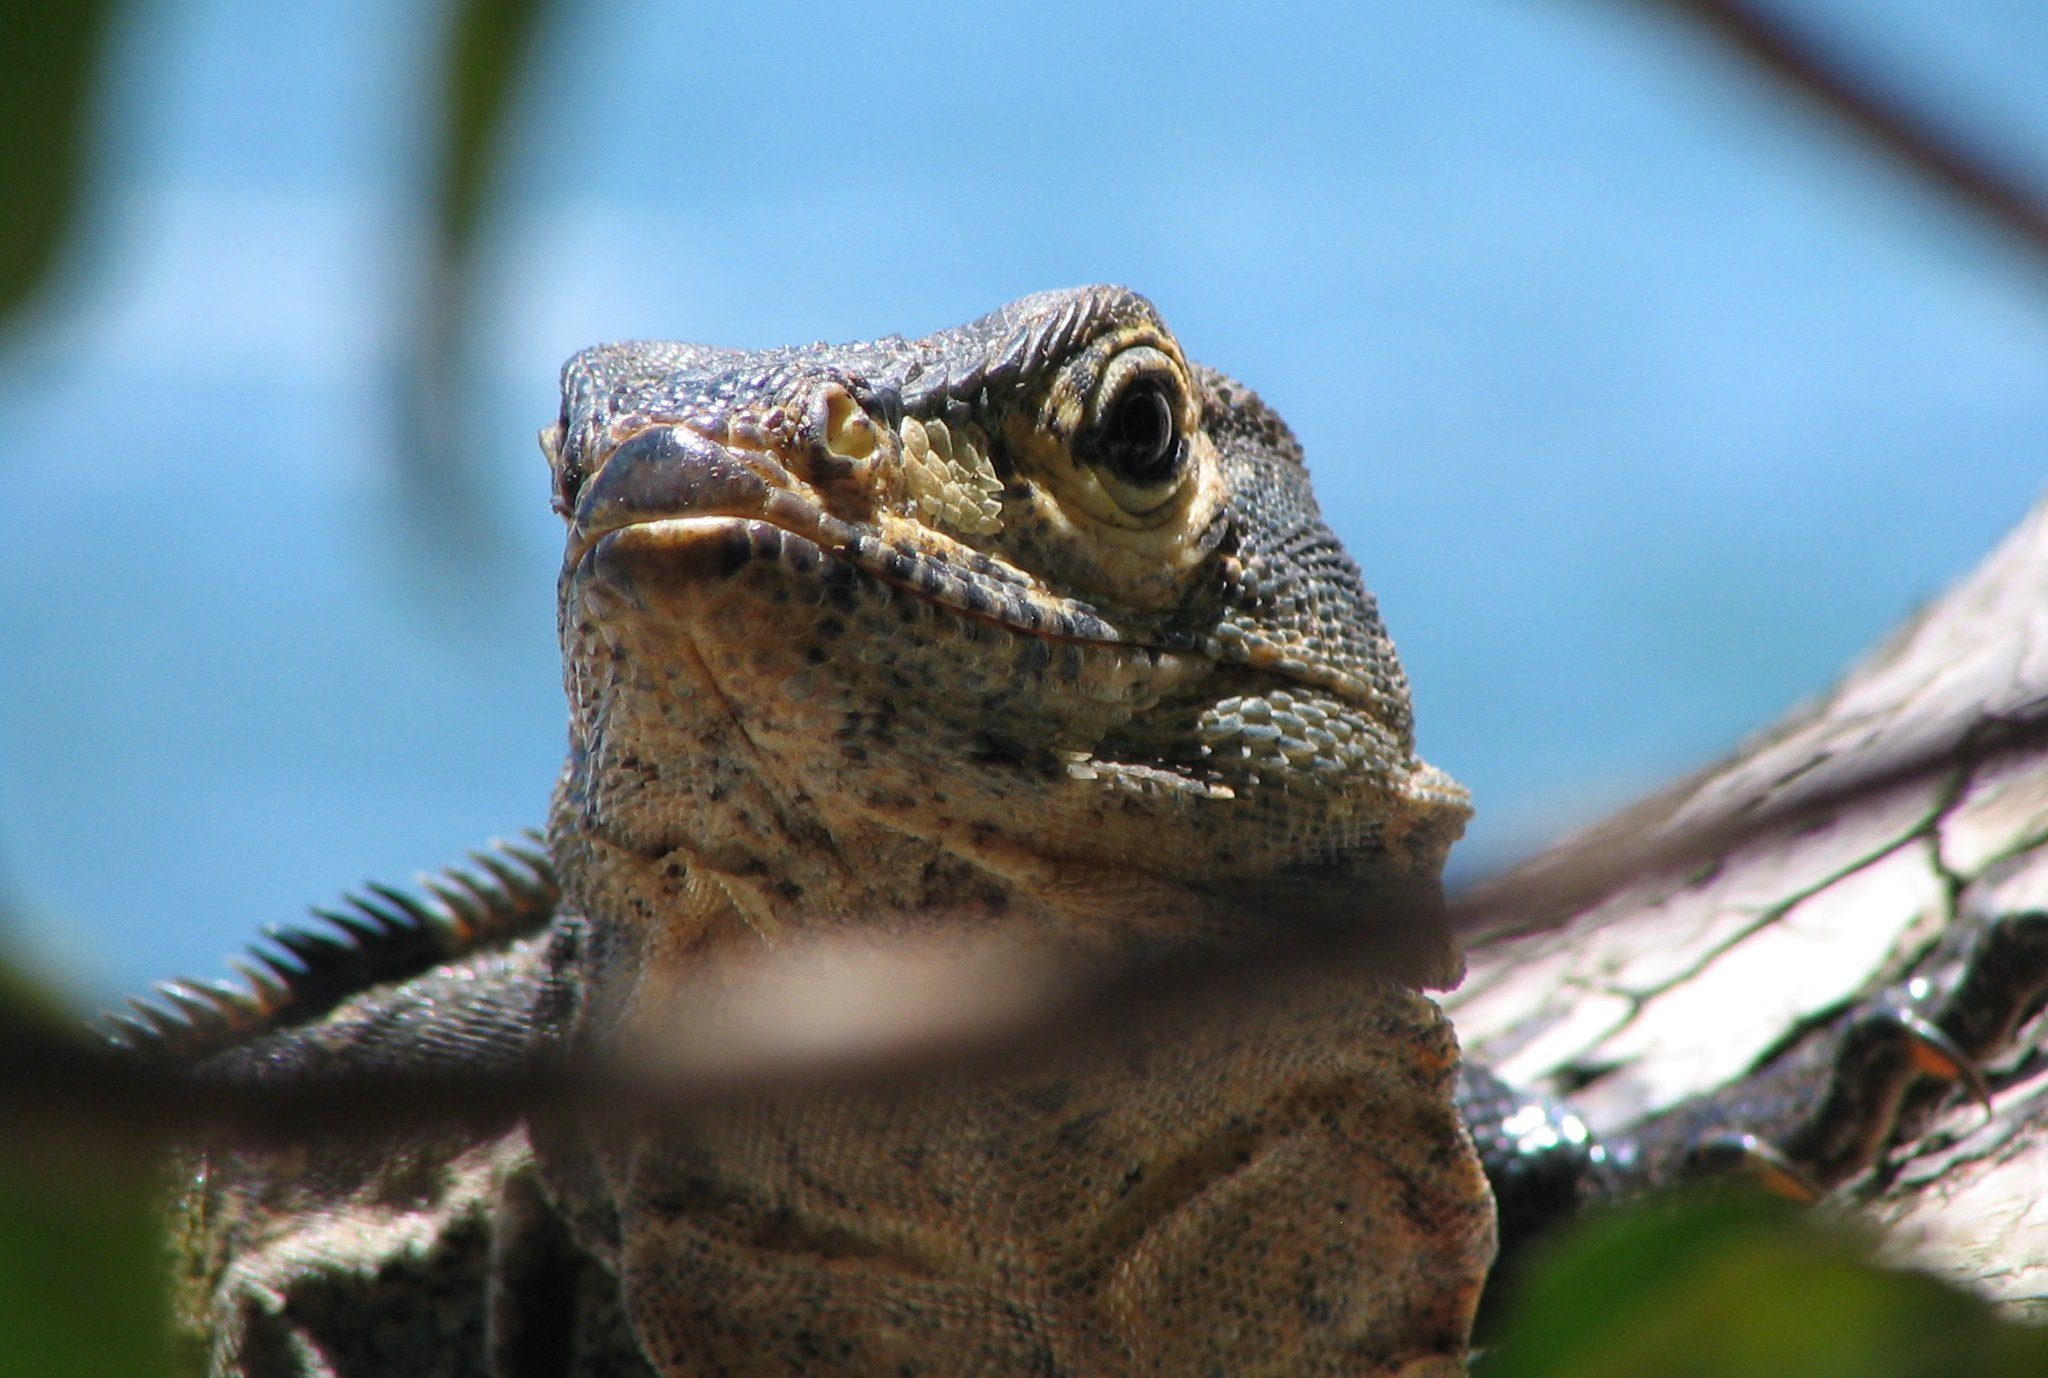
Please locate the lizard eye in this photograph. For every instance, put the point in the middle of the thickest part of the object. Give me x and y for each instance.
(1135, 442)
(1139, 442)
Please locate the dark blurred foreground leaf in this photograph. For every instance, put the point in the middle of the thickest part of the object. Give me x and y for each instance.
(488, 50)
(1716, 1285)
(83, 1264)
(81, 1271)
(49, 53)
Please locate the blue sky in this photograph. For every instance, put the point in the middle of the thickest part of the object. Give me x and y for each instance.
(1644, 400)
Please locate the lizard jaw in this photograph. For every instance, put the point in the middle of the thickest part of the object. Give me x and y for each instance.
(670, 492)
(705, 548)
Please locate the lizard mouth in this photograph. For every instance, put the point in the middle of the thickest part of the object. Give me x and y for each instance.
(699, 512)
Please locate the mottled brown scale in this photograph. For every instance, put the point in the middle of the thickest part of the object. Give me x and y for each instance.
(1023, 642)
(882, 702)
(930, 649)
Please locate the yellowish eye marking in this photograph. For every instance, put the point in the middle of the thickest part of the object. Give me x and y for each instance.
(948, 476)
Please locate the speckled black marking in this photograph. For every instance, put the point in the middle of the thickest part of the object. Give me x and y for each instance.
(977, 600)
(738, 547)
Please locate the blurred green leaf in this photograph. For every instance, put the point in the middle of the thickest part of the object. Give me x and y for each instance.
(1722, 1284)
(82, 1265)
(52, 54)
(488, 51)
(83, 1262)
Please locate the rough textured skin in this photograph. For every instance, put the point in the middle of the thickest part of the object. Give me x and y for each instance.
(1026, 630)
(877, 644)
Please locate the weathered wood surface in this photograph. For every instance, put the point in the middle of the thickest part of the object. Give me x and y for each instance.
(1632, 997)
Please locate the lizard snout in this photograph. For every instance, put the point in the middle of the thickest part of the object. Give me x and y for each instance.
(664, 472)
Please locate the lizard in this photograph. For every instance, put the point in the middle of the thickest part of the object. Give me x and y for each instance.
(944, 486)
(1028, 631)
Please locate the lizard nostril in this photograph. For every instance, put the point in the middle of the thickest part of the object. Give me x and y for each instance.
(568, 475)
(849, 431)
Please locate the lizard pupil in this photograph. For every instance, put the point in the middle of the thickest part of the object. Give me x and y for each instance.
(1138, 440)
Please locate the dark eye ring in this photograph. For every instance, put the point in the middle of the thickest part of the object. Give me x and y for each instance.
(1138, 440)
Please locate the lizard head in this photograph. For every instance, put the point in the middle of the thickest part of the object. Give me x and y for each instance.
(1032, 616)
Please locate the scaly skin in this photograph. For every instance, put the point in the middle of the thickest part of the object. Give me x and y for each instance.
(1026, 631)
(894, 641)
(875, 646)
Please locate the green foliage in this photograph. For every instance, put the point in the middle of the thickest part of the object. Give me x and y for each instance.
(81, 1269)
(83, 1265)
(489, 49)
(51, 53)
(55, 48)
(1717, 1284)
